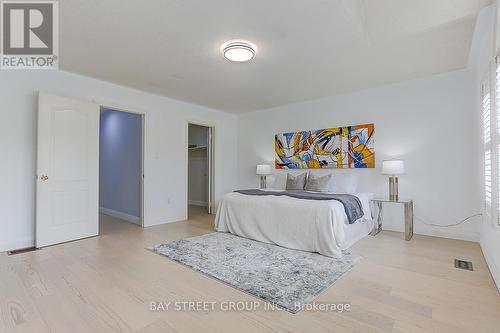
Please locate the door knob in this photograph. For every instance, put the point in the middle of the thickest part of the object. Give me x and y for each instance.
(44, 178)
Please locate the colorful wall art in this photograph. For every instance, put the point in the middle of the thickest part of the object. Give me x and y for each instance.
(340, 147)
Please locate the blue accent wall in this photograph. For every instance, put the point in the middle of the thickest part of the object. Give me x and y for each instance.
(120, 162)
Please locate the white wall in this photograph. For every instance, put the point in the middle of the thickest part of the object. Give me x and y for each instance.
(198, 166)
(430, 123)
(165, 153)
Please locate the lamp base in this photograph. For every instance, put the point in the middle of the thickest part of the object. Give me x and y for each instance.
(263, 184)
(393, 188)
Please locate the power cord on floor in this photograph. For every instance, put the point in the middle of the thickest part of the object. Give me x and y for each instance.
(448, 225)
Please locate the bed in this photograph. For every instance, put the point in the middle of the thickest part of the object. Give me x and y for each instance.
(310, 225)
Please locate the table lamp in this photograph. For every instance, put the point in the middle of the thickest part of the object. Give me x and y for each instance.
(263, 170)
(393, 168)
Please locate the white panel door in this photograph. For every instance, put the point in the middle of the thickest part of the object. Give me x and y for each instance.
(67, 201)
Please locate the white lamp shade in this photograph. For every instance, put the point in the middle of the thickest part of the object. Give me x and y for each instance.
(393, 167)
(263, 169)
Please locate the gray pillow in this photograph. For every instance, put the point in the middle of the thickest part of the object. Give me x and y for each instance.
(295, 183)
(318, 183)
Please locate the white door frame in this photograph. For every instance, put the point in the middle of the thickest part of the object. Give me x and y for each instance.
(211, 160)
(126, 109)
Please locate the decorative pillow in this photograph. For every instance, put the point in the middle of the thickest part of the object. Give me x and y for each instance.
(295, 183)
(344, 183)
(318, 183)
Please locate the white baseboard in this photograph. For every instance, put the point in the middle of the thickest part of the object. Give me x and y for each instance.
(435, 232)
(471, 237)
(198, 203)
(120, 215)
(16, 244)
(167, 221)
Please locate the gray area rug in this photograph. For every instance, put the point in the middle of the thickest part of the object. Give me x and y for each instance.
(287, 278)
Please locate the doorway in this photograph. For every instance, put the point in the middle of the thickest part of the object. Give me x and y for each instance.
(76, 141)
(200, 170)
(120, 168)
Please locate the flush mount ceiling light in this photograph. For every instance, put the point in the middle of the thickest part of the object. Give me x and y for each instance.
(238, 51)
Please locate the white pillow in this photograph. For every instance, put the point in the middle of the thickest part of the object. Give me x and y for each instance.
(344, 183)
(279, 181)
(365, 199)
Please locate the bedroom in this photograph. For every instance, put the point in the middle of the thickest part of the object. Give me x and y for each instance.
(423, 73)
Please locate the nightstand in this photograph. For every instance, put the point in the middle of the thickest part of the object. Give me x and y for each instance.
(408, 206)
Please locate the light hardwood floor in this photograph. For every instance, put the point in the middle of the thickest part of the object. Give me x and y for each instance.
(106, 284)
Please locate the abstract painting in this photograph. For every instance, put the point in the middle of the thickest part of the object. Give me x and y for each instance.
(340, 147)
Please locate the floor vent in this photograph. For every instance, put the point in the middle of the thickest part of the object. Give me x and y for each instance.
(462, 264)
(28, 249)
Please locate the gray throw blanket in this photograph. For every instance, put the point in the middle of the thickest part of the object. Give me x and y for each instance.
(351, 203)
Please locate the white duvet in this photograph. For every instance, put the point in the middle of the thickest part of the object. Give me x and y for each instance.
(309, 225)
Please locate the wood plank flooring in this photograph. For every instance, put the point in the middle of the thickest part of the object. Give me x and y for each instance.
(106, 284)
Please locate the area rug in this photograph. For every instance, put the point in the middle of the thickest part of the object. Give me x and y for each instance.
(286, 278)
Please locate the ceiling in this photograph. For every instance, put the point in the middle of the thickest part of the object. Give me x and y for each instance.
(307, 49)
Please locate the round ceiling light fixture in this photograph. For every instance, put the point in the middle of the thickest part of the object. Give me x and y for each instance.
(238, 51)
